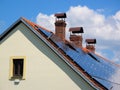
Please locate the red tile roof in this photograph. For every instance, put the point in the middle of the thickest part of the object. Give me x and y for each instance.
(68, 59)
(34, 25)
(60, 51)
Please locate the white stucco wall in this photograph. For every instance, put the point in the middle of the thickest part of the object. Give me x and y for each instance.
(44, 69)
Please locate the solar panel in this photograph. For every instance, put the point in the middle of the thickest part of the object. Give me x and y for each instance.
(48, 34)
(103, 71)
(99, 69)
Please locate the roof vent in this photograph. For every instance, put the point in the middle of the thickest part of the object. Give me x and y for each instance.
(76, 35)
(90, 44)
(60, 25)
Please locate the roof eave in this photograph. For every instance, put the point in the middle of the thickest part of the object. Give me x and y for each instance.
(8, 30)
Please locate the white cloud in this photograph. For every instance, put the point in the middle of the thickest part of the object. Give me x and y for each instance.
(46, 21)
(116, 81)
(96, 25)
(116, 56)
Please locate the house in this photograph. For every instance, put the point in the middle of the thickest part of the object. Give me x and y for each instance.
(34, 58)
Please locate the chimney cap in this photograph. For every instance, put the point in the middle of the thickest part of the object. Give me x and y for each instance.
(60, 15)
(76, 30)
(91, 41)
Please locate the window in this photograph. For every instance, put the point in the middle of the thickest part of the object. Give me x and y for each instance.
(17, 67)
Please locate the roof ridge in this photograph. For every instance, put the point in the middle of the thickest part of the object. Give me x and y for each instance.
(107, 60)
(34, 25)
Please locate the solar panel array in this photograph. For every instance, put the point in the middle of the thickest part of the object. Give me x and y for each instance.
(103, 71)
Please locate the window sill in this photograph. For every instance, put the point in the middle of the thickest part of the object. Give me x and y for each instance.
(17, 77)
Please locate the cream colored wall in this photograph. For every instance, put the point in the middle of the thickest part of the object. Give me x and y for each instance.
(44, 69)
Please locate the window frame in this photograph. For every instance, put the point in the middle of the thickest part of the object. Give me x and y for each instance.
(11, 75)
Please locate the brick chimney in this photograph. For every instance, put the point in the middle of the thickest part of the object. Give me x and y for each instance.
(90, 44)
(60, 25)
(76, 35)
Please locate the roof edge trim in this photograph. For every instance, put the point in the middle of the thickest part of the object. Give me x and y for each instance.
(6, 32)
(48, 44)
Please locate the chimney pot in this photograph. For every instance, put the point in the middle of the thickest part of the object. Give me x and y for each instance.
(76, 39)
(76, 30)
(91, 44)
(91, 41)
(60, 15)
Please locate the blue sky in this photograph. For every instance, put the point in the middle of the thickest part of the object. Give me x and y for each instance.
(104, 14)
(11, 10)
